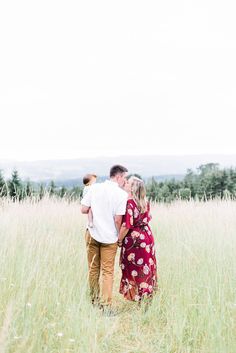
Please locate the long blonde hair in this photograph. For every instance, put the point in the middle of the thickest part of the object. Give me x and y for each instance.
(138, 192)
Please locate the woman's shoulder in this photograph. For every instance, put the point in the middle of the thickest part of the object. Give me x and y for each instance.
(131, 202)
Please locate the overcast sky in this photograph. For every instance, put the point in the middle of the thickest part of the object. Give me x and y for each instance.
(90, 78)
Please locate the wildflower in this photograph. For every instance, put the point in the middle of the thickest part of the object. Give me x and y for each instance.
(60, 334)
(52, 324)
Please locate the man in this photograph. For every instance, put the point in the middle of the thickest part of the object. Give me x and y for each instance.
(108, 204)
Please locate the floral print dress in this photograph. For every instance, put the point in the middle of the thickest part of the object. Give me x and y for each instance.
(137, 256)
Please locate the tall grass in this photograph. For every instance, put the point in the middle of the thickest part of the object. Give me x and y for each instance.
(44, 303)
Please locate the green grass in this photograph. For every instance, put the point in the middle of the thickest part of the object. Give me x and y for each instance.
(44, 303)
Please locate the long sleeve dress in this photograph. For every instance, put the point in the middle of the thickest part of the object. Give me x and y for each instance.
(137, 257)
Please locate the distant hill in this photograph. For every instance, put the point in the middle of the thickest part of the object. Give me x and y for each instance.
(69, 183)
(164, 167)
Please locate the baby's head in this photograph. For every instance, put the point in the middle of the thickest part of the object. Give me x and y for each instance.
(89, 179)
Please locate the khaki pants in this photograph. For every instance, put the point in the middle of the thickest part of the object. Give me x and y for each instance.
(101, 259)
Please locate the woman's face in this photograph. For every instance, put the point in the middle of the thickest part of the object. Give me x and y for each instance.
(127, 186)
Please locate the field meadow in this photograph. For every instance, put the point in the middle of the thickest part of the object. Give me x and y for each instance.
(44, 302)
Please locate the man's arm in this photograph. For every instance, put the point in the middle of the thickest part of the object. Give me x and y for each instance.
(123, 231)
(118, 221)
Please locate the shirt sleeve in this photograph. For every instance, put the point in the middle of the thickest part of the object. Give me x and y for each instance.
(86, 200)
(121, 206)
(129, 216)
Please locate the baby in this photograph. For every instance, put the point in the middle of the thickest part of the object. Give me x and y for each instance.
(88, 180)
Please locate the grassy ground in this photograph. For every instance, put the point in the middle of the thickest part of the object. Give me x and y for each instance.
(44, 305)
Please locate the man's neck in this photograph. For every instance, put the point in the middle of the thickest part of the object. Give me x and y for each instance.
(114, 180)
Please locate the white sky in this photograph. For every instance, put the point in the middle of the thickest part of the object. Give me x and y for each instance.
(90, 78)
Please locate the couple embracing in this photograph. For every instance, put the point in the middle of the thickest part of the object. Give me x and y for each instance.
(121, 218)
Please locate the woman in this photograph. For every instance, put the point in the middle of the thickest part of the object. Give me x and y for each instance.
(137, 257)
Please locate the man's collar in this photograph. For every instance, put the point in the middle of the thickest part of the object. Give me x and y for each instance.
(112, 181)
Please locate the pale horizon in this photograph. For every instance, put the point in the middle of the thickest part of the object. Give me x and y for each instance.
(148, 165)
(88, 157)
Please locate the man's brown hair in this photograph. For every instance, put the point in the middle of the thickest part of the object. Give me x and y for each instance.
(117, 169)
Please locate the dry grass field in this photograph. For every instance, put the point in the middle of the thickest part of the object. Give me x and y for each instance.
(44, 303)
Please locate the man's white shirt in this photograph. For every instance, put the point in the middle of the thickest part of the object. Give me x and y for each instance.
(106, 200)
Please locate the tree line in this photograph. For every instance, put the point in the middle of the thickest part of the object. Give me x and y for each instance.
(16, 189)
(209, 181)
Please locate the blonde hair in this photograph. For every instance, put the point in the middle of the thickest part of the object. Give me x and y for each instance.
(138, 192)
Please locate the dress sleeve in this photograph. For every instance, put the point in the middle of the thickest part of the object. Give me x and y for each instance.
(129, 215)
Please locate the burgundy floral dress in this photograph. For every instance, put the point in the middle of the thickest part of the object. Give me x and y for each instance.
(137, 256)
